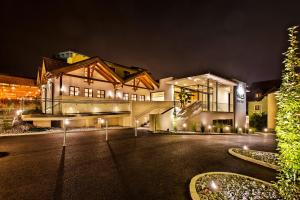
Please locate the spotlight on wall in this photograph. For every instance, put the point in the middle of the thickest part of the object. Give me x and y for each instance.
(19, 112)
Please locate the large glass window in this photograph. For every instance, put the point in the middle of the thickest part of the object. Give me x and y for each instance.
(88, 92)
(133, 97)
(73, 91)
(125, 96)
(101, 94)
(142, 98)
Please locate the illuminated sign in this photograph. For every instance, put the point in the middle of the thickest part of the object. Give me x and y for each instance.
(240, 93)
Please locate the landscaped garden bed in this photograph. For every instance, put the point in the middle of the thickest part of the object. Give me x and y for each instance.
(224, 185)
(267, 159)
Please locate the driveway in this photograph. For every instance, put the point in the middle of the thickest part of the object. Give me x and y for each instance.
(146, 167)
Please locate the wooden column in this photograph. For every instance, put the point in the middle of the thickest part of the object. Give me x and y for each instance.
(208, 96)
(217, 85)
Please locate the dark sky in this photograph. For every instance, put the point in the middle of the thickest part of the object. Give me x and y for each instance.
(241, 39)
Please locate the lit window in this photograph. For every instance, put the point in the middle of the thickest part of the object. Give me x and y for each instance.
(142, 98)
(133, 97)
(257, 95)
(88, 92)
(257, 107)
(86, 74)
(125, 96)
(73, 91)
(101, 94)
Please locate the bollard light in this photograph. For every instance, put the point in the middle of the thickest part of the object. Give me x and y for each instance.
(213, 185)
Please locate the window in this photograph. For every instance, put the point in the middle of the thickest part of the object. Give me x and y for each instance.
(142, 98)
(125, 96)
(74, 91)
(101, 94)
(257, 107)
(86, 74)
(257, 95)
(126, 73)
(133, 97)
(88, 92)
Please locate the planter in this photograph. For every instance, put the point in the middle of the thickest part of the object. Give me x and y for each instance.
(266, 159)
(224, 185)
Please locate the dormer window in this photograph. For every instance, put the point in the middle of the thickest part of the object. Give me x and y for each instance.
(257, 95)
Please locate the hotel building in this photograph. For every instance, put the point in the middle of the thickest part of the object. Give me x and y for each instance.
(87, 89)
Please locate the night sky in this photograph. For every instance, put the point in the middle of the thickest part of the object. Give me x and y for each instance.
(240, 39)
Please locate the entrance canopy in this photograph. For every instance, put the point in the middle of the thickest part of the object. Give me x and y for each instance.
(193, 81)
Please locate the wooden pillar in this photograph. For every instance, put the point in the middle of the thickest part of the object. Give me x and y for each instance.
(208, 96)
(217, 85)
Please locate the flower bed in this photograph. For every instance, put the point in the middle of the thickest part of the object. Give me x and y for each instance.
(267, 159)
(223, 185)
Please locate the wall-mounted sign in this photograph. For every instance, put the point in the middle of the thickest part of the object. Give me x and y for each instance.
(240, 93)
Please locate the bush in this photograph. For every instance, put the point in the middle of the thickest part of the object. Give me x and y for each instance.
(258, 121)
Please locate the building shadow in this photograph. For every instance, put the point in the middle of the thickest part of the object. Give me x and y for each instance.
(59, 185)
(127, 193)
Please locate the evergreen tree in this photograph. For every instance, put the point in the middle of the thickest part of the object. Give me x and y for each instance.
(288, 122)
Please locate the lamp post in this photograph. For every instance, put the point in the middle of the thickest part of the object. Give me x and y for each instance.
(66, 122)
(135, 130)
(106, 132)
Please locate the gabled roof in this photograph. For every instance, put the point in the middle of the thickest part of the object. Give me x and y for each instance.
(58, 67)
(52, 64)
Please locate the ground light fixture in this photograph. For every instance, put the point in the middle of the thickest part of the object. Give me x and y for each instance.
(209, 127)
(213, 185)
(245, 147)
(240, 129)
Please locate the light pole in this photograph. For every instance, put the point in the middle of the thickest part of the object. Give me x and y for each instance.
(106, 124)
(135, 129)
(106, 132)
(66, 122)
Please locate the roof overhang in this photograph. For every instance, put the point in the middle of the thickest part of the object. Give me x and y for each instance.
(201, 80)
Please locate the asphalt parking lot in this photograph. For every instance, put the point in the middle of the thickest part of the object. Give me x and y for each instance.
(146, 167)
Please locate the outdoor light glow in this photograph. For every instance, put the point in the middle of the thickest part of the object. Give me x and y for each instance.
(137, 121)
(119, 95)
(102, 121)
(213, 185)
(226, 128)
(66, 122)
(245, 147)
(176, 82)
(250, 130)
(240, 129)
(19, 112)
(265, 130)
(184, 125)
(209, 126)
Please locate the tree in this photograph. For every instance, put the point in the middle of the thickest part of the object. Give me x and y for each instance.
(184, 97)
(288, 122)
(258, 121)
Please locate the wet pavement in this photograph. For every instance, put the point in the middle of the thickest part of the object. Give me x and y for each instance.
(147, 167)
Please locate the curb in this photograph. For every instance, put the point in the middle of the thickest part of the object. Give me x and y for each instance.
(192, 186)
(48, 132)
(259, 162)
